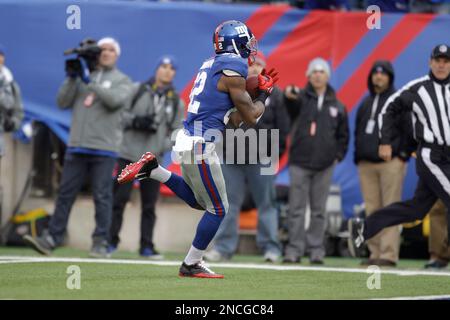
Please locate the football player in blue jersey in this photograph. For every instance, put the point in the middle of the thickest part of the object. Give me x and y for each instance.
(218, 96)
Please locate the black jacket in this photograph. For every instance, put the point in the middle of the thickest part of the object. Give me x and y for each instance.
(366, 144)
(274, 117)
(330, 141)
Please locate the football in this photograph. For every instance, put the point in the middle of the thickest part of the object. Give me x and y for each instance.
(252, 86)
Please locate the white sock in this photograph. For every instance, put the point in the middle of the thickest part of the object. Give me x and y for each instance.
(160, 174)
(194, 256)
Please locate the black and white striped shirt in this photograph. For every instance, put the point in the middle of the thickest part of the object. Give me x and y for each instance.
(429, 102)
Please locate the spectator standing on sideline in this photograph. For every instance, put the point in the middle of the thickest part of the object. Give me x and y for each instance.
(320, 135)
(11, 109)
(381, 181)
(97, 100)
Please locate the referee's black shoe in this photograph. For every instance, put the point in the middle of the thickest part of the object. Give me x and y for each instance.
(356, 238)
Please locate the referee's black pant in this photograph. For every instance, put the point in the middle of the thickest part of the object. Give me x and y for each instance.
(433, 169)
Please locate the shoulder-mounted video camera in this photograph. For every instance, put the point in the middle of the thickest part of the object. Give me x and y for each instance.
(89, 51)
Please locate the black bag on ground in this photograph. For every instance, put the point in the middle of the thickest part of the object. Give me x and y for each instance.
(31, 222)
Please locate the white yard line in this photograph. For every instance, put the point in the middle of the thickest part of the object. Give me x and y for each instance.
(439, 297)
(23, 259)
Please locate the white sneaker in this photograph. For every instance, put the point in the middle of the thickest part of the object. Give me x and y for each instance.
(271, 257)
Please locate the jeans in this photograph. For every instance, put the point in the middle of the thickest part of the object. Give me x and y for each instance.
(76, 168)
(262, 189)
(149, 195)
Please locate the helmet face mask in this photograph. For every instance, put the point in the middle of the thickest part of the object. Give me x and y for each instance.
(251, 48)
(235, 37)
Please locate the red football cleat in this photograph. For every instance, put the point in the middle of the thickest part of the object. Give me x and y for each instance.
(198, 270)
(139, 170)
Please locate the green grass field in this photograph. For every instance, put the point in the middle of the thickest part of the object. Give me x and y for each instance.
(113, 280)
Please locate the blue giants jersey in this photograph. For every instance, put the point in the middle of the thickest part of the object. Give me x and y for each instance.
(209, 107)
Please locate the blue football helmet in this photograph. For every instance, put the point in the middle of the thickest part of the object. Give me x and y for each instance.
(235, 37)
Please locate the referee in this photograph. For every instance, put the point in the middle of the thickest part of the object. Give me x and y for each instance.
(428, 98)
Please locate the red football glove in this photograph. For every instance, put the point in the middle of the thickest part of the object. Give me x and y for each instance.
(267, 80)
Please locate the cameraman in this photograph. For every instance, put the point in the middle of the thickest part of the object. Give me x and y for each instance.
(97, 99)
(155, 112)
(11, 109)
